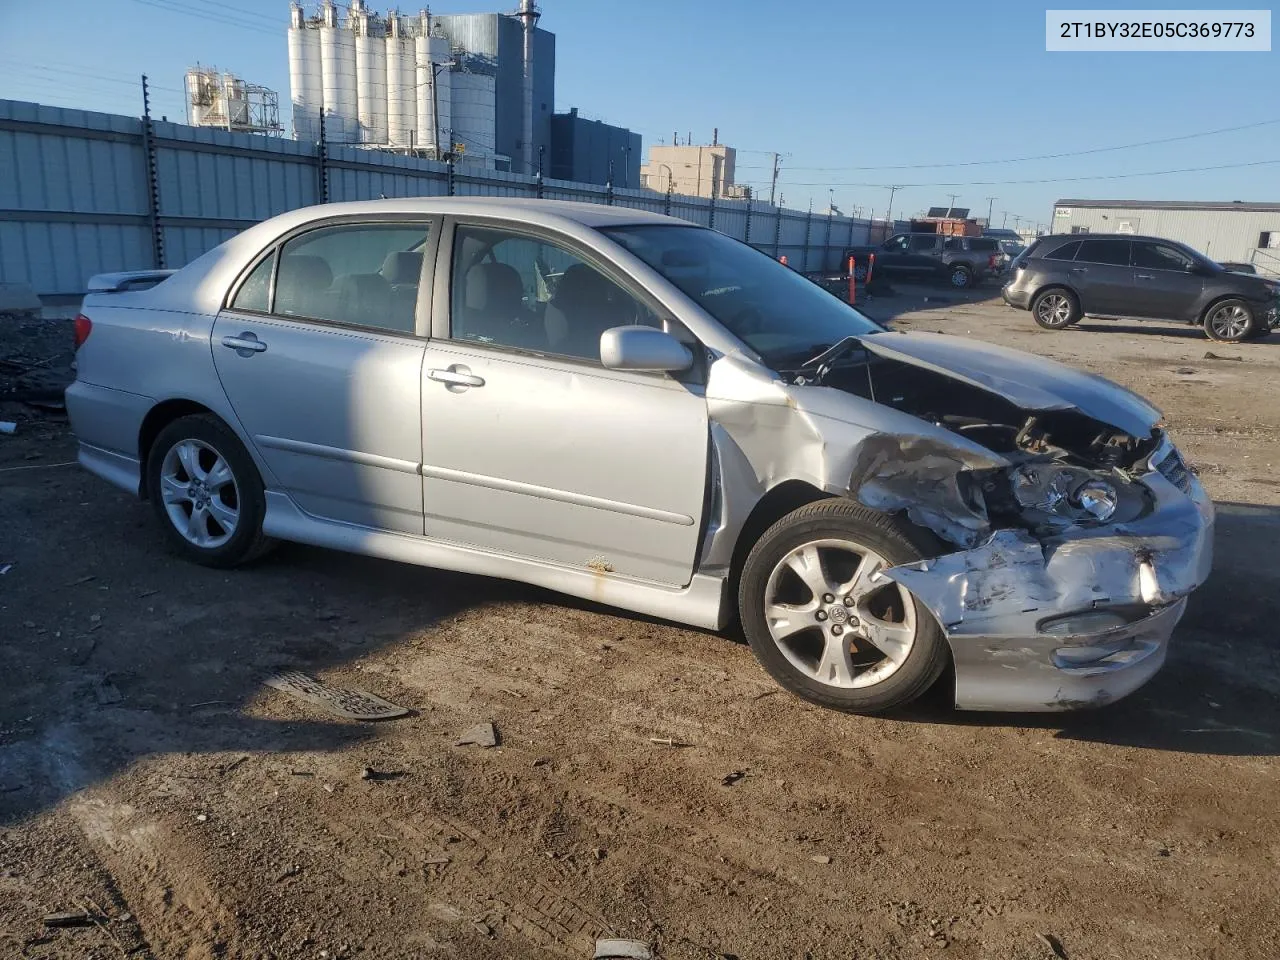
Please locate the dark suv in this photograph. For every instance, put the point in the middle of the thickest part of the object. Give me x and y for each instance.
(1064, 277)
(959, 261)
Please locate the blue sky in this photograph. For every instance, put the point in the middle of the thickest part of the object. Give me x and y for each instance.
(833, 85)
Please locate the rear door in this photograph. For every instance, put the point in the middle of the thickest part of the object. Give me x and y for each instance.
(1103, 276)
(1165, 287)
(925, 257)
(320, 355)
(531, 447)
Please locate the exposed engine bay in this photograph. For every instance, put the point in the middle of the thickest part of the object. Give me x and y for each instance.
(1069, 469)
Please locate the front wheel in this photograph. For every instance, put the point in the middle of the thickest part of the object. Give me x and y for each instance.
(1229, 321)
(961, 277)
(207, 492)
(823, 620)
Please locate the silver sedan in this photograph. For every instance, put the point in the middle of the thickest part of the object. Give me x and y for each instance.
(634, 410)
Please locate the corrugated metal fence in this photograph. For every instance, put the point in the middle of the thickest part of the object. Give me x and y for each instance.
(76, 196)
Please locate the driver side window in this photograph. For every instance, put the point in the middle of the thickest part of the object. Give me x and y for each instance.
(897, 244)
(526, 293)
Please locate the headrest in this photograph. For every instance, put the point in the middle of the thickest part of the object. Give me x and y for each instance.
(402, 266)
(304, 272)
(493, 287)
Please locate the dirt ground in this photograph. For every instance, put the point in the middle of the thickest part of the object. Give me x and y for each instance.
(148, 778)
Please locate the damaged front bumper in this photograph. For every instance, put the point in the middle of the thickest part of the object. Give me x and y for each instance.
(1078, 619)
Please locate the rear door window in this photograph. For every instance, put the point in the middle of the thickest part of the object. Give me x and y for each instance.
(362, 275)
(1105, 250)
(924, 244)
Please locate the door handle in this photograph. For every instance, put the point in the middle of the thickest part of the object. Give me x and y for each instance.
(1144, 276)
(1079, 269)
(456, 378)
(244, 344)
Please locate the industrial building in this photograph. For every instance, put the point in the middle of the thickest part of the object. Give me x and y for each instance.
(696, 170)
(590, 151)
(223, 100)
(1232, 232)
(479, 87)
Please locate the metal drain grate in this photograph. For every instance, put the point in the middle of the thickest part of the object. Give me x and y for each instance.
(352, 704)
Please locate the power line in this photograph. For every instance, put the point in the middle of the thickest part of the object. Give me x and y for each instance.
(1043, 156)
(1002, 183)
(209, 17)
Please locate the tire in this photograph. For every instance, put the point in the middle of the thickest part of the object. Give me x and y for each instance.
(851, 673)
(959, 276)
(1056, 308)
(184, 464)
(1229, 321)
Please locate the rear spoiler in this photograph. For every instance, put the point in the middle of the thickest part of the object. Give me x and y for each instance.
(127, 280)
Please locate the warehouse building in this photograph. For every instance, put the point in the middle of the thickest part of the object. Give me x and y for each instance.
(1233, 232)
(590, 151)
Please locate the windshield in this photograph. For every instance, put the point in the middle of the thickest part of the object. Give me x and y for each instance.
(771, 308)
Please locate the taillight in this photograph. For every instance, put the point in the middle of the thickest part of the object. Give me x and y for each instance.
(991, 262)
(84, 327)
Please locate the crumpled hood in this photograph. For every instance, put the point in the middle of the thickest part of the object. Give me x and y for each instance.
(1031, 382)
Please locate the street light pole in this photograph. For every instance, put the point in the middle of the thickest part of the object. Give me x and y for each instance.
(990, 204)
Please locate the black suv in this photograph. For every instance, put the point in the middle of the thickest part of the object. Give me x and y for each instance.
(959, 261)
(1064, 277)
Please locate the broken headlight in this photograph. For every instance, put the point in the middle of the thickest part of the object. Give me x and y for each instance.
(1054, 495)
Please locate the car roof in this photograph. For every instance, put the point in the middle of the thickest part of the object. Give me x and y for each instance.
(517, 208)
(1113, 236)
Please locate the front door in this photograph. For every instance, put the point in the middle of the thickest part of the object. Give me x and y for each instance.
(1103, 276)
(893, 256)
(531, 447)
(323, 368)
(1164, 285)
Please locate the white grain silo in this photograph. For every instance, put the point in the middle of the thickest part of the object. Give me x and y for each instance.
(434, 88)
(338, 68)
(371, 74)
(475, 113)
(306, 89)
(402, 100)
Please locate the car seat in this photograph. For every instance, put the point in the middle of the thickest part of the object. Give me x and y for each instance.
(302, 286)
(586, 304)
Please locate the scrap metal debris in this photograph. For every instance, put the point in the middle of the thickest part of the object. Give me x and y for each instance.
(351, 704)
(69, 918)
(481, 735)
(729, 779)
(622, 950)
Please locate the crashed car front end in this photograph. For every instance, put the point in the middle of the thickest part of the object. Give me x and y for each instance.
(1073, 617)
(1070, 531)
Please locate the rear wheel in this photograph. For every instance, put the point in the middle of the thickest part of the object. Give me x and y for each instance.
(960, 276)
(823, 620)
(1229, 321)
(207, 492)
(1056, 309)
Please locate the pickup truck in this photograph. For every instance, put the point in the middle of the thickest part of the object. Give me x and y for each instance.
(960, 261)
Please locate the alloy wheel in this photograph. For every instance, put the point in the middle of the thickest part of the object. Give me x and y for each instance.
(200, 493)
(1230, 322)
(960, 278)
(1054, 310)
(835, 617)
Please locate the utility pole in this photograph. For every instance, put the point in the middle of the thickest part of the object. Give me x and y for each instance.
(1005, 222)
(773, 186)
(951, 206)
(889, 215)
(990, 204)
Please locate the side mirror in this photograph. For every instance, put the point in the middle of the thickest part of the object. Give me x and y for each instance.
(645, 349)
